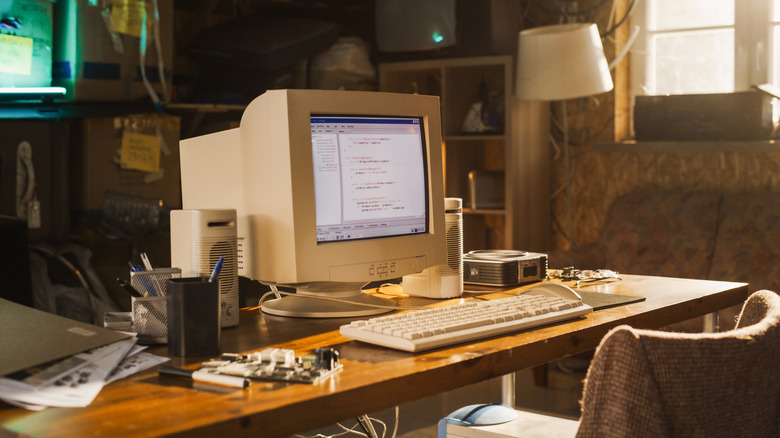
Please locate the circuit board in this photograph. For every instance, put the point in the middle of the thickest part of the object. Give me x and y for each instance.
(277, 364)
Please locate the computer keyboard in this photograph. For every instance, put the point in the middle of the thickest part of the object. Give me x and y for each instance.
(420, 330)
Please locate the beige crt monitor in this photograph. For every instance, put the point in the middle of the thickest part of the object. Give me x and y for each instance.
(332, 189)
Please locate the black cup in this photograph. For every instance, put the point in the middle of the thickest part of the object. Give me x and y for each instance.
(193, 317)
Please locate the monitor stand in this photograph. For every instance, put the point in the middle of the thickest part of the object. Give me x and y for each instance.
(327, 300)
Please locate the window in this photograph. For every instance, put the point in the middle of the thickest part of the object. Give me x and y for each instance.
(775, 25)
(705, 46)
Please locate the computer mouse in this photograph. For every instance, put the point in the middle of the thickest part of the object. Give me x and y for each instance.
(554, 289)
(482, 414)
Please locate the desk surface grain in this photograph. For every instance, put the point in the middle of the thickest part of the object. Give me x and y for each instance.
(373, 378)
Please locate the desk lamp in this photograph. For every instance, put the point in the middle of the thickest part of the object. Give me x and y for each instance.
(561, 62)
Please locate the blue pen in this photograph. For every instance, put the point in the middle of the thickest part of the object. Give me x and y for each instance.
(150, 292)
(216, 270)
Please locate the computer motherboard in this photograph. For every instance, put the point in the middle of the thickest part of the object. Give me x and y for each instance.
(277, 364)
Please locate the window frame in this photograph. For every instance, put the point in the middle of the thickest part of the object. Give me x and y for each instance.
(752, 45)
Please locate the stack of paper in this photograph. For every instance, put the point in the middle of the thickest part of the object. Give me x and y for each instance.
(77, 380)
(49, 360)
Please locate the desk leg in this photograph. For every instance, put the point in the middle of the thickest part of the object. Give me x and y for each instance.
(508, 389)
(710, 322)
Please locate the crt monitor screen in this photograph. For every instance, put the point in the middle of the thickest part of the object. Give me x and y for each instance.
(369, 177)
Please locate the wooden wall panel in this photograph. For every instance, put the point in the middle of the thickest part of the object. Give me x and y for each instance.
(601, 175)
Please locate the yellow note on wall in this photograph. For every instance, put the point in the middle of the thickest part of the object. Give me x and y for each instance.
(128, 16)
(16, 54)
(140, 152)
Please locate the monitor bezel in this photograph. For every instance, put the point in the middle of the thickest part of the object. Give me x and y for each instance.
(286, 124)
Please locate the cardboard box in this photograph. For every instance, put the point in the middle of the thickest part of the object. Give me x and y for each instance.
(97, 51)
(26, 43)
(117, 154)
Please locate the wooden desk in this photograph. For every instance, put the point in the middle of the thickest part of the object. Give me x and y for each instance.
(373, 378)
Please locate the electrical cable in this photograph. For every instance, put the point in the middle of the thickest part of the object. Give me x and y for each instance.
(345, 430)
(277, 293)
(556, 148)
(362, 420)
(369, 424)
(525, 15)
(620, 22)
(582, 12)
(612, 12)
(397, 417)
(160, 60)
(349, 430)
(561, 13)
(366, 426)
(65, 262)
(626, 47)
(274, 290)
(142, 45)
(567, 162)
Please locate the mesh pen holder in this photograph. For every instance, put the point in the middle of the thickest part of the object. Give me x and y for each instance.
(149, 314)
(150, 319)
(120, 321)
(154, 283)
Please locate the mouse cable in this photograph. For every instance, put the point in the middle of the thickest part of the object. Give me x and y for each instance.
(352, 430)
(277, 293)
(367, 426)
(397, 414)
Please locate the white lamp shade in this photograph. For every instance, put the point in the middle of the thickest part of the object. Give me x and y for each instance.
(561, 62)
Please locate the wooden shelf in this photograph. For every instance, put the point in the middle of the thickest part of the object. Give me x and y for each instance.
(520, 150)
(475, 137)
(64, 110)
(689, 146)
(484, 211)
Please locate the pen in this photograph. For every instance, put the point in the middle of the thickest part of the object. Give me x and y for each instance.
(146, 265)
(145, 260)
(216, 270)
(146, 282)
(203, 376)
(129, 287)
(150, 292)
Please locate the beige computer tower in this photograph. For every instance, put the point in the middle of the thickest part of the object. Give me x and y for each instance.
(198, 239)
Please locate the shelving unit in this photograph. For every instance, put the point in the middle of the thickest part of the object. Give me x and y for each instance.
(519, 135)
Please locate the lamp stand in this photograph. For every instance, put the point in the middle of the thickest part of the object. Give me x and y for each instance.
(567, 163)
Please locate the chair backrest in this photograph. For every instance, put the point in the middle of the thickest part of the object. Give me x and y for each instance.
(645, 383)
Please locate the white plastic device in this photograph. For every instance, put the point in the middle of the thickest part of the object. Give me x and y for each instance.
(443, 281)
(198, 239)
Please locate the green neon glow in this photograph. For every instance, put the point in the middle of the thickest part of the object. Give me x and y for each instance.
(437, 37)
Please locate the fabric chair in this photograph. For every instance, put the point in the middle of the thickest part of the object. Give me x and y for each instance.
(644, 383)
(647, 383)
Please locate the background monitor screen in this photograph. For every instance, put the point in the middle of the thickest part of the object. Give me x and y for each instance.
(369, 177)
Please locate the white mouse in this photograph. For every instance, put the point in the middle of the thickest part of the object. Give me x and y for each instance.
(554, 289)
(482, 414)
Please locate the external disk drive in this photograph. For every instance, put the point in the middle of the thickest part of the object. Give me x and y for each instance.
(503, 267)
